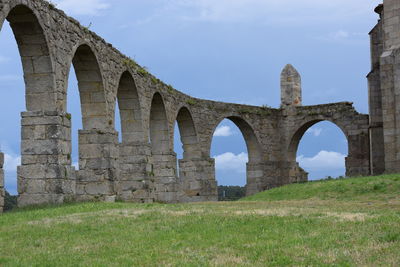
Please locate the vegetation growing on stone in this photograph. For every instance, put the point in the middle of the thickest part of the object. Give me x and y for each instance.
(191, 102)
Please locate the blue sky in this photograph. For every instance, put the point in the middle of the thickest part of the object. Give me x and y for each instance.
(226, 50)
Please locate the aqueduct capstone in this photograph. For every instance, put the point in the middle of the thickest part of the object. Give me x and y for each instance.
(142, 168)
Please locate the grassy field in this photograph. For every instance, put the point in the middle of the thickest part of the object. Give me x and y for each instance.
(348, 222)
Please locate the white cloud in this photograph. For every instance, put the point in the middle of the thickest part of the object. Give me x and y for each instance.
(324, 160)
(223, 131)
(231, 162)
(314, 131)
(82, 7)
(11, 162)
(269, 11)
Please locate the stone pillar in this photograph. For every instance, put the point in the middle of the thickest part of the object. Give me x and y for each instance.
(2, 191)
(197, 180)
(269, 174)
(375, 99)
(98, 165)
(134, 181)
(390, 84)
(358, 160)
(46, 175)
(391, 24)
(164, 177)
(255, 178)
(290, 87)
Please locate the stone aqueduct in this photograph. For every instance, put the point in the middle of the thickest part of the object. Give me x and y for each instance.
(143, 167)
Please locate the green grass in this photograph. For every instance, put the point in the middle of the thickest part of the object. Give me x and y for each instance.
(348, 222)
(372, 188)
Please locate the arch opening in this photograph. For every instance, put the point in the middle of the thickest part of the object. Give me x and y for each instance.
(74, 108)
(35, 56)
(91, 89)
(185, 141)
(25, 62)
(237, 152)
(187, 135)
(320, 149)
(128, 107)
(159, 134)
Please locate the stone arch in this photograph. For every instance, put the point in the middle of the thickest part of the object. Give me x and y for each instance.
(254, 168)
(299, 133)
(159, 133)
(36, 59)
(253, 146)
(188, 134)
(91, 88)
(129, 109)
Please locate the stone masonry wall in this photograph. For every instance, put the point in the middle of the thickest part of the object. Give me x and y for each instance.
(143, 167)
(384, 89)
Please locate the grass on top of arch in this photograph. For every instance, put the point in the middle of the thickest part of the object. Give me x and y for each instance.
(384, 187)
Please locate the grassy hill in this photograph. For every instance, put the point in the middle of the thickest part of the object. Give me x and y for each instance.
(343, 222)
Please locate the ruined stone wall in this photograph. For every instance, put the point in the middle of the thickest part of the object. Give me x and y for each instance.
(142, 168)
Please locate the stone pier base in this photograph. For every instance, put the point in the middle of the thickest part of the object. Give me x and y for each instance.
(46, 175)
(163, 175)
(134, 183)
(197, 180)
(98, 165)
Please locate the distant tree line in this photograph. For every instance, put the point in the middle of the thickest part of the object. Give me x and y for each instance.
(10, 202)
(231, 193)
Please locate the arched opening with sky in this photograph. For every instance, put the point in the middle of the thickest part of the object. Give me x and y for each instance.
(32, 82)
(74, 108)
(234, 145)
(159, 135)
(185, 139)
(12, 103)
(321, 150)
(128, 119)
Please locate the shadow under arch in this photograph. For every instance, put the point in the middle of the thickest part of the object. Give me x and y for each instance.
(91, 88)
(188, 134)
(36, 60)
(129, 109)
(159, 133)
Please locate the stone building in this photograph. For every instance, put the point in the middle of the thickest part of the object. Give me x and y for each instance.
(142, 168)
(384, 89)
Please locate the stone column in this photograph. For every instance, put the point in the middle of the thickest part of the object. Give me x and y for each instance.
(390, 84)
(375, 99)
(391, 23)
(197, 180)
(290, 87)
(98, 165)
(164, 177)
(271, 174)
(134, 181)
(255, 178)
(358, 160)
(46, 175)
(2, 191)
